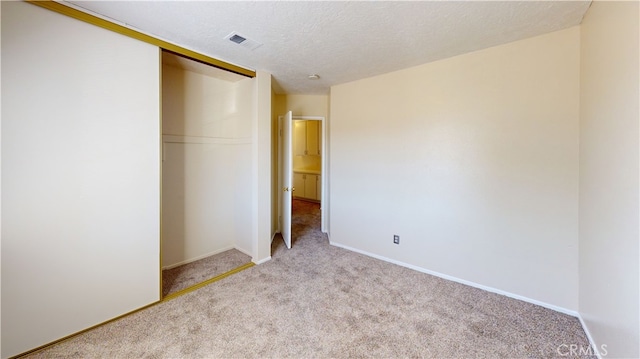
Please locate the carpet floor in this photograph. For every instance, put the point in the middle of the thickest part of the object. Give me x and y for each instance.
(319, 301)
(187, 275)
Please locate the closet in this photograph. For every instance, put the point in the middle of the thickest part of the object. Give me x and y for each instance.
(206, 168)
(105, 140)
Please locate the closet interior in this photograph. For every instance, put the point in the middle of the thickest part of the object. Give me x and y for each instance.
(206, 172)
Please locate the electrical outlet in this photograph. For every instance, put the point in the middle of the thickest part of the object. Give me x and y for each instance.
(396, 239)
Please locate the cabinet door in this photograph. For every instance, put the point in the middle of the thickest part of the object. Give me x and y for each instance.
(313, 147)
(310, 185)
(319, 188)
(299, 185)
(299, 137)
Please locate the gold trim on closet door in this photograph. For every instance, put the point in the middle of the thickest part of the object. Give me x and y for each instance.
(94, 20)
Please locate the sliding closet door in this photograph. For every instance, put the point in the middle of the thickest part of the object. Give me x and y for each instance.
(80, 176)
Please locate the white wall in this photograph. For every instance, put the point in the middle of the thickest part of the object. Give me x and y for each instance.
(199, 105)
(0, 185)
(80, 176)
(473, 161)
(261, 151)
(275, 187)
(206, 198)
(303, 105)
(609, 165)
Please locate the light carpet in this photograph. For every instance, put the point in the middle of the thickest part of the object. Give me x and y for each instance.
(187, 275)
(320, 301)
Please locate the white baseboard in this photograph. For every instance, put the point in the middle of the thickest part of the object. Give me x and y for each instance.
(198, 258)
(264, 260)
(588, 333)
(461, 281)
(245, 251)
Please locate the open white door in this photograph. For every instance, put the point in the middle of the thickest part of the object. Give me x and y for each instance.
(287, 177)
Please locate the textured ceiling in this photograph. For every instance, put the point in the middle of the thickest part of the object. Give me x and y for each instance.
(340, 41)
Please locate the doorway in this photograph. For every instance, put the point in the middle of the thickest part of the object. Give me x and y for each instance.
(302, 169)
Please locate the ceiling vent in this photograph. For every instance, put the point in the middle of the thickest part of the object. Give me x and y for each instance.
(237, 39)
(242, 41)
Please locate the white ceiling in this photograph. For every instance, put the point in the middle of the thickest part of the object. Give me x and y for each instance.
(340, 41)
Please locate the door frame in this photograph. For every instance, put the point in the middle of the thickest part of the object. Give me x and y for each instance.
(324, 169)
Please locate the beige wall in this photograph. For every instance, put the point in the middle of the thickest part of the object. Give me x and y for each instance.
(303, 105)
(200, 105)
(261, 185)
(609, 164)
(80, 176)
(207, 165)
(275, 187)
(473, 161)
